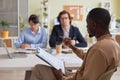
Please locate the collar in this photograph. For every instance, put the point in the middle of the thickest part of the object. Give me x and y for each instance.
(39, 30)
(68, 29)
(104, 36)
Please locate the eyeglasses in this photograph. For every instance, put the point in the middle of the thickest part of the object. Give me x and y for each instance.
(64, 18)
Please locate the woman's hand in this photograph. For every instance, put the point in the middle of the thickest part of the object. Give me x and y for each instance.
(23, 46)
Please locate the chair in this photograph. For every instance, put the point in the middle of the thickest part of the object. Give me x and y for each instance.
(107, 75)
(117, 37)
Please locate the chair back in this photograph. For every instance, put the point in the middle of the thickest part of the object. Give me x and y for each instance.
(117, 37)
(107, 75)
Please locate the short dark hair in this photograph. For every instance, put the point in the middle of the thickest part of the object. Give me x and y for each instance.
(100, 16)
(64, 12)
(34, 18)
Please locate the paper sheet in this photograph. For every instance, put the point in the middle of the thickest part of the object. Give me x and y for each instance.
(25, 51)
(52, 60)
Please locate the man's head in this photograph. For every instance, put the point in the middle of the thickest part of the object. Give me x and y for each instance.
(98, 20)
(33, 21)
(64, 18)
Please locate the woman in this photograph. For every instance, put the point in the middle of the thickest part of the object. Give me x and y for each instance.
(34, 36)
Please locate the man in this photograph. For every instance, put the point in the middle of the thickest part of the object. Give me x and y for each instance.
(67, 30)
(103, 56)
(32, 37)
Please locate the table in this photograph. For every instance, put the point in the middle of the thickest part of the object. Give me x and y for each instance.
(31, 60)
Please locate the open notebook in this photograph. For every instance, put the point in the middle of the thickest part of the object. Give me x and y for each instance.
(51, 60)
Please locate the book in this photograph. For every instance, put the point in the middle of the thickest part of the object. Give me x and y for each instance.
(51, 60)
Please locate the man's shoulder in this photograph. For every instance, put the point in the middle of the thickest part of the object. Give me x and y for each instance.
(74, 28)
(103, 44)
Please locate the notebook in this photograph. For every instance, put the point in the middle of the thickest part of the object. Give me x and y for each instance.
(51, 60)
(13, 55)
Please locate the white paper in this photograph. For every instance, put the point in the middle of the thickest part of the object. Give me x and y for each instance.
(30, 48)
(24, 51)
(70, 58)
(52, 60)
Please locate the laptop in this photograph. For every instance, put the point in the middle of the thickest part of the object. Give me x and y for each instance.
(13, 54)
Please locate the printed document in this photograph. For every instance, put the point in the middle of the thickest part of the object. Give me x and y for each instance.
(51, 60)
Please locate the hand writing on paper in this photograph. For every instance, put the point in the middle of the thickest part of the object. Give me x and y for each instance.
(23, 46)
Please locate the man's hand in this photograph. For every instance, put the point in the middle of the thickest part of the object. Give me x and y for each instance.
(57, 73)
(23, 46)
(67, 78)
(64, 46)
(73, 42)
(67, 41)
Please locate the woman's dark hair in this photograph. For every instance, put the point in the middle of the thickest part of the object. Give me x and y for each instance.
(34, 19)
(64, 12)
(100, 16)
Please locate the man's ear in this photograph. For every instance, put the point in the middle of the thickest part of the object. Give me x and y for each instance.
(94, 25)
